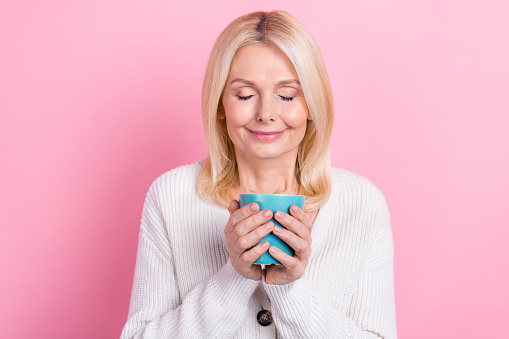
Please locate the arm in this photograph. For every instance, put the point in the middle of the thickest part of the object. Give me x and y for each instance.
(301, 312)
(156, 309)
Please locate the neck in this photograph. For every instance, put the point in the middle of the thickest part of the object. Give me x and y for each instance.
(268, 176)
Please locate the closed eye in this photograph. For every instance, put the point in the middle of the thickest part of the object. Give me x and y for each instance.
(249, 96)
(244, 98)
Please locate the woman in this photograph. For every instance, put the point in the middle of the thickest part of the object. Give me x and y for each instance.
(267, 111)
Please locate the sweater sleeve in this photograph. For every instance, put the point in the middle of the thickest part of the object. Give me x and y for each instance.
(156, 309)
(301, 312)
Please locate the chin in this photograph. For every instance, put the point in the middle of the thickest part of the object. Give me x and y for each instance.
(270, 154)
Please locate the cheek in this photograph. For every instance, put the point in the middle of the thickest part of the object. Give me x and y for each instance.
(236, 115)
(234, 120)
(297, 117)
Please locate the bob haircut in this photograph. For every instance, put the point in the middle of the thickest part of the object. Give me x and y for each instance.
(313, 169)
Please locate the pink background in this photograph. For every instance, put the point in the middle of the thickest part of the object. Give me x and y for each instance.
(98, 98)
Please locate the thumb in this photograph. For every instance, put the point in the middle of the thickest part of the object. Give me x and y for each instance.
(234, 205)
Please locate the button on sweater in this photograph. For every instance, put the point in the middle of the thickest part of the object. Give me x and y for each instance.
(186, 287)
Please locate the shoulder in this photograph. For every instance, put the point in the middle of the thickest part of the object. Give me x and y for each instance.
(181, 176)
(177, 182)
(357, 190)
(174, 191)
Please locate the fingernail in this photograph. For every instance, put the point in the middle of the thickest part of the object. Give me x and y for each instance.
(278, 230)
(273, 250)
(266, 214)
(265, 244)
(268, 225)
(252, 208)
(295, 208)
(280, 215)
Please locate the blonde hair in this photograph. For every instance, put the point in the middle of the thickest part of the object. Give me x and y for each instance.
(312, 170)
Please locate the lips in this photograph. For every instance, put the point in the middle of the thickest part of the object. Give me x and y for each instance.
(270, 135)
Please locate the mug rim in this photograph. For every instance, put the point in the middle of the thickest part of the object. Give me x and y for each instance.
(273, 195)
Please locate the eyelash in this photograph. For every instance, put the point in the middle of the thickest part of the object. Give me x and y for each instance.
(249, 96)
(244, 98)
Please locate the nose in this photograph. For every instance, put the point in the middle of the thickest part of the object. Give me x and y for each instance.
(267, 111)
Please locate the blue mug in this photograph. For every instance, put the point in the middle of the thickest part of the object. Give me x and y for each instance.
(273, 202)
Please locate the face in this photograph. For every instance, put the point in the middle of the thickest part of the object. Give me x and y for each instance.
(264, 106)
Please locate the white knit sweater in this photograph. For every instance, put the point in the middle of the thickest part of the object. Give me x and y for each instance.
(186, 287)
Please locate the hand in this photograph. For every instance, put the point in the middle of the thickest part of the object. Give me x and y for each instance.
(246, 227)
(298, 236)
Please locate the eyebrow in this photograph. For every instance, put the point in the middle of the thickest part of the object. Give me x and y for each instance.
(280, 83)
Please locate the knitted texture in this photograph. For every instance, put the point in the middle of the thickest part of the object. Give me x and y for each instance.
(186, 287)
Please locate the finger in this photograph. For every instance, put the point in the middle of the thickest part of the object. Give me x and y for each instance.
(301, 246)
(292, 264)
(301, 215)
(237, 213)
(243, 213)
(249, 257)
(234, 205)
(293, 224)
(246, 241)
(249, 224)
(252, 238)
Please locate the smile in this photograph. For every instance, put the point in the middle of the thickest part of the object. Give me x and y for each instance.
(267, 135)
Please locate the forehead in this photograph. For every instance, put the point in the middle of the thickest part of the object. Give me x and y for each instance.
(261, 61)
